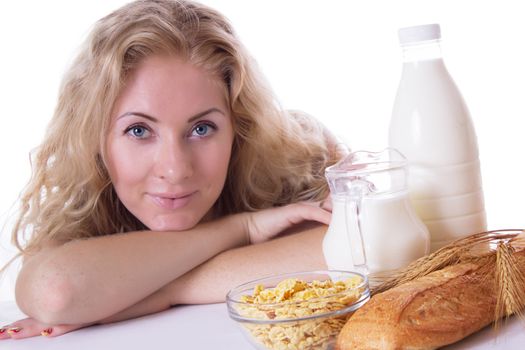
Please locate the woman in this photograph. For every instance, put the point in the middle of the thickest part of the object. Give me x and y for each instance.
(166, 168)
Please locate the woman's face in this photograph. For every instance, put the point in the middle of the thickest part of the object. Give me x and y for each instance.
(169, 143)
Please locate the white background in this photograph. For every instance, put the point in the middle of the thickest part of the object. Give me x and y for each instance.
(337, 60)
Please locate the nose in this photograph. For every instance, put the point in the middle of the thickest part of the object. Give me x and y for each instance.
(173, 161)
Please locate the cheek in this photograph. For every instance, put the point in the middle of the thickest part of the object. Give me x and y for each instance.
(126, 165)
(214, 163)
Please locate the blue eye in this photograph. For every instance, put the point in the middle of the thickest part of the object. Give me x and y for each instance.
(202, 130)
(138, 131)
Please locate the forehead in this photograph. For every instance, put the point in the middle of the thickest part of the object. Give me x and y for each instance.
(163, 82)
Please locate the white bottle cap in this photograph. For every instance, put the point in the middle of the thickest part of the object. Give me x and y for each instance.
(414, 34)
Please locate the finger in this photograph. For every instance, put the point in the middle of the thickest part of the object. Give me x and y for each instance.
(312, 203)
(265, 224)
(327, 204)
(303, 211)
(3, 332)
(24, 328)
(59, 330)
(29, 327)
(321, 215)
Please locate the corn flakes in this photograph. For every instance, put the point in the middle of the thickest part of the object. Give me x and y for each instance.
(293, 298)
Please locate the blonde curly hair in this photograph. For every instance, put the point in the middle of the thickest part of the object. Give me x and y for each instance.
(278, 157)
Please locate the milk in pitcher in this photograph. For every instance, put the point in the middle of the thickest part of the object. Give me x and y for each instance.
(374, 228)
(393, 235)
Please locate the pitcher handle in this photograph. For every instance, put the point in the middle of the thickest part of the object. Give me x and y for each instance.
(354, 233)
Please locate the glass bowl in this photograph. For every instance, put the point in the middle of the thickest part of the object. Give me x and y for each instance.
(304, 310)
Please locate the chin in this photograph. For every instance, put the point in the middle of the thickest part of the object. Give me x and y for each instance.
(172, 224)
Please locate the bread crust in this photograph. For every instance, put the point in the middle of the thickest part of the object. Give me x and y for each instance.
(435, 310)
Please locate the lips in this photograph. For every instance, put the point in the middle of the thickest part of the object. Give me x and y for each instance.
(171, 202)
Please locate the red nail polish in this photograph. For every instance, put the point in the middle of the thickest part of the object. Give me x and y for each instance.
(2, 330)
(14, 330)
(47, 332)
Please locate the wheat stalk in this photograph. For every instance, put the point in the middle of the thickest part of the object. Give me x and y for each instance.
(509, 283)
(466, 249)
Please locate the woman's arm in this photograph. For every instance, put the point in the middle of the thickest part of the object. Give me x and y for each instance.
(211, 281)
(89, 280)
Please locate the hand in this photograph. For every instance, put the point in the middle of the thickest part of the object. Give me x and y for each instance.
(29, 327)
(265, 224)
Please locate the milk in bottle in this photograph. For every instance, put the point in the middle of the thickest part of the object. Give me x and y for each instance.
(432, 127)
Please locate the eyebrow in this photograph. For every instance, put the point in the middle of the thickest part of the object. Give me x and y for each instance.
(155, 120)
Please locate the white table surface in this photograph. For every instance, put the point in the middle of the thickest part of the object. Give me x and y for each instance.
(202, 327)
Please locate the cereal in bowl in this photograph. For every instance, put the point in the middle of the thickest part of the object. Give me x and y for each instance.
(297, 303)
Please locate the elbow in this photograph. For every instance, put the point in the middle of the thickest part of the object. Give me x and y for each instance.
(46, 297)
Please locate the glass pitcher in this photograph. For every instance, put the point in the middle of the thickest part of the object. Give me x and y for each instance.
(374, 228)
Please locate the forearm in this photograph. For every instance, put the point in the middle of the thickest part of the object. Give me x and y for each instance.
(89, 280)
(156, 302)
(210, 282)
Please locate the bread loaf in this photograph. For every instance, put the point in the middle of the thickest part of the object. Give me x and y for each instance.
(432, 311)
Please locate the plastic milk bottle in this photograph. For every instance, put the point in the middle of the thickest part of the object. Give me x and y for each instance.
(432, 127)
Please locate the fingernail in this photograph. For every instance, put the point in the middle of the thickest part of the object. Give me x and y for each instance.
(2, 330)
(14, 330)
(47, 332)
